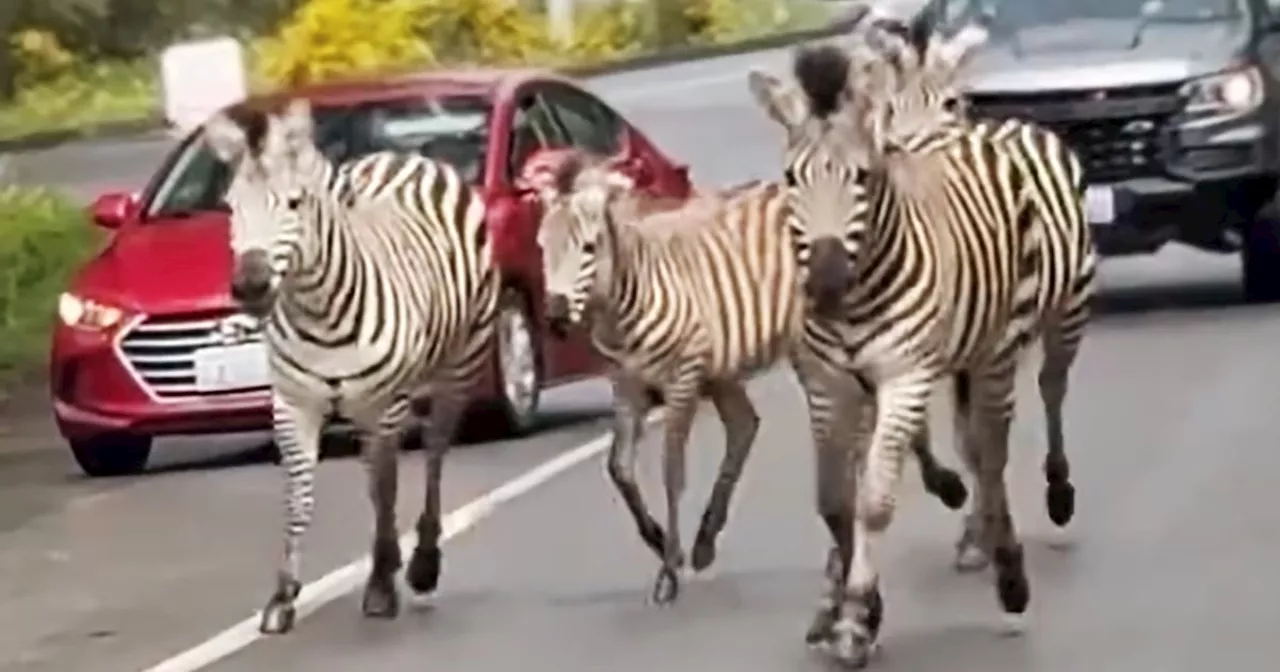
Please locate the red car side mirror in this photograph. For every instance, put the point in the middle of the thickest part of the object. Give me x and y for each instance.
(113, 209)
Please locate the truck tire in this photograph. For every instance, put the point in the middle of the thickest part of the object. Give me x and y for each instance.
(112, 455)
(1260, 255)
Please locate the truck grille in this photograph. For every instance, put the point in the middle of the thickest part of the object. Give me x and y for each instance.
(1118, 133)
(161, 350)
(1113, 150)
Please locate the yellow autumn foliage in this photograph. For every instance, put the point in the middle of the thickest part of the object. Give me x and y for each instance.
(607, 30)
(39, 55)
(724, 20)
(328, 38)
(331, 38)
(497, 32)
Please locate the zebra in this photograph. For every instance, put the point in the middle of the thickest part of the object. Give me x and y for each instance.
(377, 294)
(1067, 259)
(690, 300)
(910, 233)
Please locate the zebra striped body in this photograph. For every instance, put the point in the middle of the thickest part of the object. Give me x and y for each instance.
(377, 293)
(689, 302)
(914, 247)
(1067, 260)
(705, 287)
(1061, 252)
(386, 296)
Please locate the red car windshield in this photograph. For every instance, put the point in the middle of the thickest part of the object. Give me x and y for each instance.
(454, 130)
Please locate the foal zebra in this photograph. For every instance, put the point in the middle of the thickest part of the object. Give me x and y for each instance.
(377, 294)
(1066, 262)
(689, 301)
(911, 239)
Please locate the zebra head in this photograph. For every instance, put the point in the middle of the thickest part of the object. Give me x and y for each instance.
(825, 165)
(930, 64)
(576, 222)
(277, 173)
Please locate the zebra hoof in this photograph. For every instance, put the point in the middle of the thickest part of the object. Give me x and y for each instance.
(969, 556)
(703, 554)
(381, 600)
(949, 488)
(850, 651)
(423, 574)
(279, 615)
(822, 627)
(1060, 502)
(1011, 580)
(277, 618)
(875, 612)
(666, 587)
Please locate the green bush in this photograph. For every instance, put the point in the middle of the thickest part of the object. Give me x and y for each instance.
(45, 239)
(84, 96)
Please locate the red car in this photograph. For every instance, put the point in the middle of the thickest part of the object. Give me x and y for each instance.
(137, 353)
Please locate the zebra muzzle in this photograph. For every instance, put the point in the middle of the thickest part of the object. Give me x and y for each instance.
(830, 275)
(251, 281)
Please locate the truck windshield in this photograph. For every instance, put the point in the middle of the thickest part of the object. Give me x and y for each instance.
(1017, 14)
(454, 130)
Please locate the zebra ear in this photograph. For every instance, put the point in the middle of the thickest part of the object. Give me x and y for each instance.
(225, 138)
(781, 102)
(947, 58)
(619, 181)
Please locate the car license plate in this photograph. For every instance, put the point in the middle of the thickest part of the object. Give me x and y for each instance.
(234, 367)
(1100, 204)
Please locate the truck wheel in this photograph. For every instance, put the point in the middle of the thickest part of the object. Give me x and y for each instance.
(518, 368)
(112, 455)
(1260, 256)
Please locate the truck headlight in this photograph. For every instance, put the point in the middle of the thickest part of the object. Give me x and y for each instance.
(1233, 91)
(87, 314)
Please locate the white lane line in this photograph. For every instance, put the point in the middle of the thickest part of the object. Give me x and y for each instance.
(345, 579)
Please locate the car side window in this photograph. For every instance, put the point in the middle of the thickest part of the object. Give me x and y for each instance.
(195, 180)
(590, 124)
(533, 127)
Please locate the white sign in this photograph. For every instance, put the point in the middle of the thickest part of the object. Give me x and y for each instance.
(234, 367)
(200, 78)
(1100, 204)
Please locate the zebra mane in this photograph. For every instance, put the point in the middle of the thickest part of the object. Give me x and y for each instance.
(254, 123)
(566, 172)
(823, 75)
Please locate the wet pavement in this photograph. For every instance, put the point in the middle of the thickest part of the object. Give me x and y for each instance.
(1166, 567)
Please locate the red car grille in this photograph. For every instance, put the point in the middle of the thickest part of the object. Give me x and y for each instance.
(161, 352)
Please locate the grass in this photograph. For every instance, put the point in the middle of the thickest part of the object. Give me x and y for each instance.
(84, 98)
(109, 92)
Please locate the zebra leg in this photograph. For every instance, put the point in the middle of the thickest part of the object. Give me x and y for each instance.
(969, 554)
(939, 481)
(835, 464)
(681, 406)
(901, 404)
(381, 600)
(630, 405)
(439, 421)
(741, 423)
(990, 419)
(297, 435)
(1059, 354)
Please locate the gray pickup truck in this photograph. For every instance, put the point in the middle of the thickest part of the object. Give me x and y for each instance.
(1172, 105)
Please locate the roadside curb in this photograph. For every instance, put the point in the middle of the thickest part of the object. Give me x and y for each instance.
(134, 127)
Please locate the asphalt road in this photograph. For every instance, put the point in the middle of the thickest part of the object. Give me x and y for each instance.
(1168, 566)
